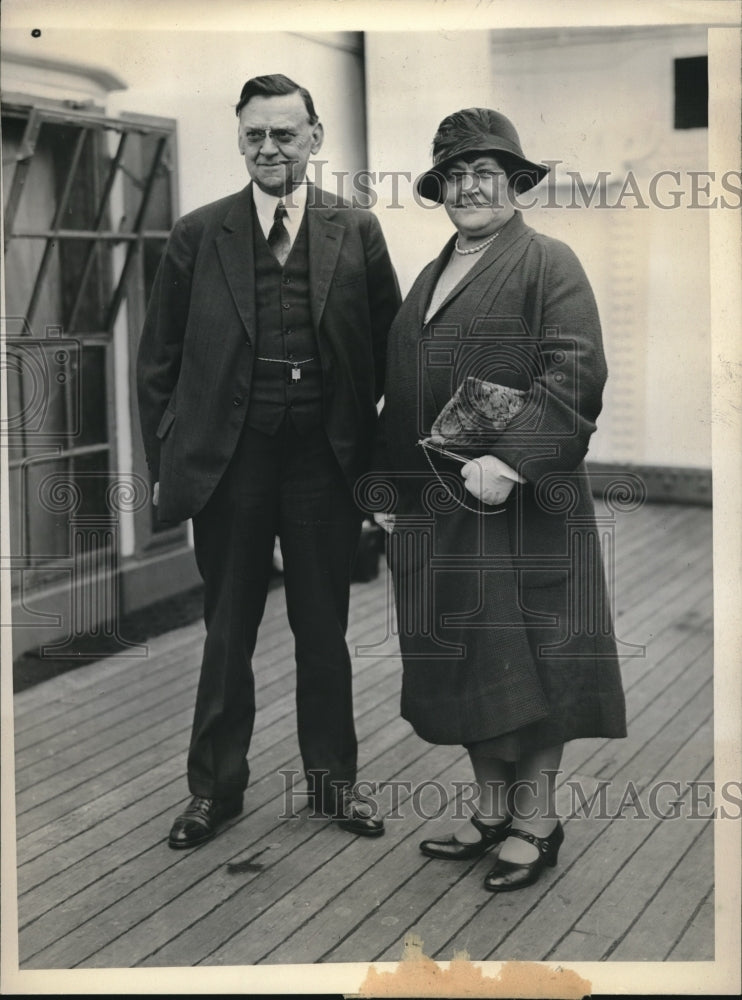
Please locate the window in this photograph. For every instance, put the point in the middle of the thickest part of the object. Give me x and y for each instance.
(691, 92)
(88, 208)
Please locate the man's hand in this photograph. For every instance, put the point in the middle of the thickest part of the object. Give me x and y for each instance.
(385, 521)
(484, 478)
(155, 494)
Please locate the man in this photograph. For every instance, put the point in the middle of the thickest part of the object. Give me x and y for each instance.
(259, 368)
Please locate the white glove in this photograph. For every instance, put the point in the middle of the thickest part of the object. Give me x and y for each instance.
(155, 494)
(385, 521)
(489, 479)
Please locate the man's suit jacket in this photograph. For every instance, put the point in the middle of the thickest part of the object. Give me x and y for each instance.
(199, 340)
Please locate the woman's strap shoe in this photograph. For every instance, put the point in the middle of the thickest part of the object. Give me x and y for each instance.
(507, 876)
(452, 849)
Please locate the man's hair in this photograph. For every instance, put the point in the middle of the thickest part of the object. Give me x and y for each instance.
(275, 85)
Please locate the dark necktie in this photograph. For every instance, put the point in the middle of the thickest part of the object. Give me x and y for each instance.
(278, 237)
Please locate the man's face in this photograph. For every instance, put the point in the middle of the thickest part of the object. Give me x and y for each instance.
(477, 199)
(277, 162)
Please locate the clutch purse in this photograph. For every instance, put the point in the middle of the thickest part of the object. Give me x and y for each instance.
(475, 410)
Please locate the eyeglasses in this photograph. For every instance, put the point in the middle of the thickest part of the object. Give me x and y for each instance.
(467, 177)
(281, 136)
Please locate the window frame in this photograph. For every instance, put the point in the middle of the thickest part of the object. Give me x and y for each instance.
(127, 285)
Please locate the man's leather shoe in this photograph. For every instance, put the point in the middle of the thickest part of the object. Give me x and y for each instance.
(452, 849)
(201, 819)
(358, 817)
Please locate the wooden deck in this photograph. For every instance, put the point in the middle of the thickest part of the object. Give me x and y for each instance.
(100, 760)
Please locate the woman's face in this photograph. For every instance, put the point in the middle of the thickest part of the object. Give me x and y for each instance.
(477, 199)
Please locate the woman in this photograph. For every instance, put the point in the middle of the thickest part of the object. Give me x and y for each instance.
(504, 627)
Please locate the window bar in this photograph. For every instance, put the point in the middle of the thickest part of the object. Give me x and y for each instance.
(98, 225)
(59, 215)
(83, 119)
(91, 234)
(25, 526)
(25, 155)
(133, 247)
(58, 454)
(70, 393)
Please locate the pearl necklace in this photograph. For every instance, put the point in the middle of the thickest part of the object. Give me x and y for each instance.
(476, 249)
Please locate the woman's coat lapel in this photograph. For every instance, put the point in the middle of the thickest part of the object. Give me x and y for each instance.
(467, 298)
(506, 248)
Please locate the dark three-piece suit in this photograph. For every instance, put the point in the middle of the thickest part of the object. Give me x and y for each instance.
(249, 450)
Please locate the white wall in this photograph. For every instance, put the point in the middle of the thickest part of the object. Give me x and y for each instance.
(604, 101)
(597, 100)
(196, 77)
(414, 80)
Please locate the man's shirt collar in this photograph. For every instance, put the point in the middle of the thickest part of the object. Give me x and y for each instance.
(295, 202)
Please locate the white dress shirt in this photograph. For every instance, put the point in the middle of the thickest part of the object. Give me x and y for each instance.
(295, 202)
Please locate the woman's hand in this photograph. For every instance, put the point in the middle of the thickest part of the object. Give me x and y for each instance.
(385, 521)
(489, 479)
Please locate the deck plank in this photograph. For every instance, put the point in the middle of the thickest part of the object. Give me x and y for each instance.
(331, 905)
(696, 943)
(583, 760)
(605, 923)
(100, 756)
(594, 854)
(274, 694)
(193, 877)
(277, 686)
(653, 691)
(670, 913)
(271, 755)
(583, 878)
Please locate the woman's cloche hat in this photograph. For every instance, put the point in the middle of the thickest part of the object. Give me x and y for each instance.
(478, 130)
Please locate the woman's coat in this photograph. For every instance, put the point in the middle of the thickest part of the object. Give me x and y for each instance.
(504, 619)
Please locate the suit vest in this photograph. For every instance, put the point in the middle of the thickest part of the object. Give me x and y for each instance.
(284, 334)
